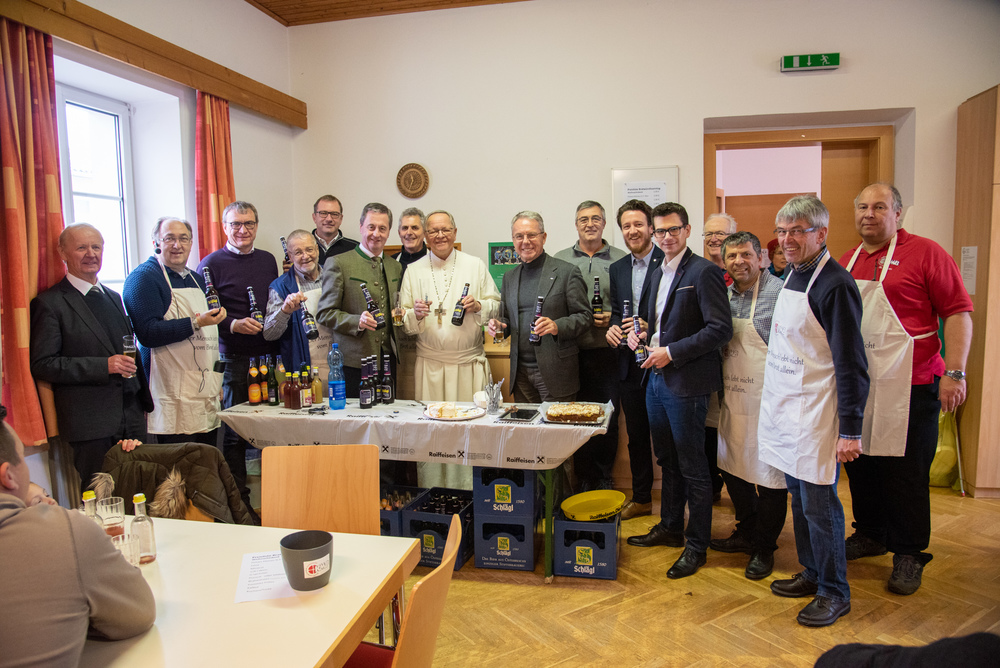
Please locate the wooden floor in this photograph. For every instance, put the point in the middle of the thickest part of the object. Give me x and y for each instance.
(717, 617)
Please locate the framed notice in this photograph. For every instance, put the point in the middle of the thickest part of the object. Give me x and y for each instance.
(652, 185)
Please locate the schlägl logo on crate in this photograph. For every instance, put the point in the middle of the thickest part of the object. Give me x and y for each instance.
(502, 494)
(584, 555)
(428, 542)
(503, 544)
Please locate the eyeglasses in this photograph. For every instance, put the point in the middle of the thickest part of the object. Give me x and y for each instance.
(249, 227)
(583, 220)
(440, 233)
(531, 236)
(672, 231)
(715, 235)
(170, 240)
(336, 215)
(795, 233)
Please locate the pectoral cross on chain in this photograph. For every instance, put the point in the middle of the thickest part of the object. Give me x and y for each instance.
(439, 311)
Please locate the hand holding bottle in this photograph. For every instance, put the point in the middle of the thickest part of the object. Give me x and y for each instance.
(292, 303)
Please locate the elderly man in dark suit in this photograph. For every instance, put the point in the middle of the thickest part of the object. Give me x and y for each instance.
(548, 368)
(77, 327)
(630, 280)
(689, 322)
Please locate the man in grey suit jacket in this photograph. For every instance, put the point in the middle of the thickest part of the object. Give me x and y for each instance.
(548, 370)
(342, 305)
(77, 326)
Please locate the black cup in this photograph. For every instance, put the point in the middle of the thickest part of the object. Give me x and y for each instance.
(307, 557)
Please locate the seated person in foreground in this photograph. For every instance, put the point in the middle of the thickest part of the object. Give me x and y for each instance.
(62, 576)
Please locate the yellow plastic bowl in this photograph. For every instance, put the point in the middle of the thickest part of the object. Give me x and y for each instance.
(598, 504)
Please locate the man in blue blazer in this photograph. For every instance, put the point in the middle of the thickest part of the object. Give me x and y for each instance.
(629, 280)
(689, 322)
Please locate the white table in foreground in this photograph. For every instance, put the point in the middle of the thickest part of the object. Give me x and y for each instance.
(198, 623)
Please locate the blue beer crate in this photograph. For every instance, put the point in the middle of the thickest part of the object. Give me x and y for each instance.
(587, 549)
(505, 492)
(430, 527)
(508, 543)
(391, 518)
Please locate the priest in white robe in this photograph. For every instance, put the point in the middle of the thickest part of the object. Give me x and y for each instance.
(451, 364)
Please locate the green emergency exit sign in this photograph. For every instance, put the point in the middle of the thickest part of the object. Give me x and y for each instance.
(813, 61)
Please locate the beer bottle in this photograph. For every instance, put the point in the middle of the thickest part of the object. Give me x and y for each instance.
(211, 294)
(309, 323)
(284, 247)
(533, 337)
(294, 400)
(317, 387)
(366, 398)
(387, 389)
(458, 315)
(253, 382)
(373, 308)
(626, 315)
(273, 394)
(640, 350)
(262, 370)
(254, 311)
(597, 303)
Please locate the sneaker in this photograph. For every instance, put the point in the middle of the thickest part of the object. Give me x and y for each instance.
(860, 545)
(906, 574)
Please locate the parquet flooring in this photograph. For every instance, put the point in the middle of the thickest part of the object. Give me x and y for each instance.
(717, 617)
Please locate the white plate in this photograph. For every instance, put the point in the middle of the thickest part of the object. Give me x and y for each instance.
(467, 414)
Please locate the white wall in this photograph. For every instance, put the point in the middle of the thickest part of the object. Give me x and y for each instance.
(769, 171)
(530, 105)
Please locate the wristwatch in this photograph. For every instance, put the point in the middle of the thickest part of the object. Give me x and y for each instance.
(955, 375)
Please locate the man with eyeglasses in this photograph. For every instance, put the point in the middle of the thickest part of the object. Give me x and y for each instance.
(178, 338)
(593, 462)
(907, 282)
(630, 279)
(411, 235)
(689, 322)
(328, 214)
(234, 268)
(812, 404)
(450, 363)
(548, 371)
(718, 226)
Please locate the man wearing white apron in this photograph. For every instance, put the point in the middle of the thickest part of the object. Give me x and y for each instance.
(812, 404)
(907, 283)
(178, 337)
(301, 284)
(757, 489)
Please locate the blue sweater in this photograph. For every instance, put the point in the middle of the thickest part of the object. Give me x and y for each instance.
(231, 275)
(147, 299)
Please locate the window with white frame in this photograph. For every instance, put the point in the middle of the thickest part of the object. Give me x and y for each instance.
(96, 171)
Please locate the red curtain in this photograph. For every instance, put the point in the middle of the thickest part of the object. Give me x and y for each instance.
(214, 185)
(30, 211)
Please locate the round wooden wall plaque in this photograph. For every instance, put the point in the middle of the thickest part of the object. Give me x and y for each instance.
(412, 180)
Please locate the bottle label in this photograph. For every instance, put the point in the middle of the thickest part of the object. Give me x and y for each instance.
(254, 393)
(338, 390)
(213, 302)
(366, 397)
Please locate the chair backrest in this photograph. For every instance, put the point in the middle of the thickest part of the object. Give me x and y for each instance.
(322, 487)
(419, 630)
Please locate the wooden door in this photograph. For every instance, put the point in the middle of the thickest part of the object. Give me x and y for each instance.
(847, 167)
(755, 213)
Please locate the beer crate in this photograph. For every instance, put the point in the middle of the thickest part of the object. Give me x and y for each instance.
(505, 493)
(392, 500)
(428, 522)
(587, 549)
(508, 543)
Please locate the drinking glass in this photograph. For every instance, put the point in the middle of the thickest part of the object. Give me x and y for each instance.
(128, 545)
(503, 324)
(397, 313)
(112, 512)
(128, 349)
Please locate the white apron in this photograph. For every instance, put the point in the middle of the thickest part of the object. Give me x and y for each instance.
(743, 362)
(182, 379)
(798, 428)
(319, 347)
(889, 348)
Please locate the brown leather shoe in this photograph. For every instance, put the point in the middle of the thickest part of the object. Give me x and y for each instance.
(633, 509)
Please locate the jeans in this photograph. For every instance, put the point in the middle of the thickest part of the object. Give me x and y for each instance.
(760, 511)
(678, 429)
(595, 459)
(890, 496)
(818, 520)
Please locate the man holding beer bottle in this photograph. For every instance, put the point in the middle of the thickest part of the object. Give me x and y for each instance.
(178, 338)
(241, 273)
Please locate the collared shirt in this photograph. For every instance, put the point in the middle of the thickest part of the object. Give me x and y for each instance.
(236, 251)
(596, 266)
(276, 320)
(324, 244)
(769, 286)
(83, 286)
(367, 252)
(639, 267)
(667, 272)
(809, 265)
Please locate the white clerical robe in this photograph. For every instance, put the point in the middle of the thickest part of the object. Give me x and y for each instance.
(450, 363)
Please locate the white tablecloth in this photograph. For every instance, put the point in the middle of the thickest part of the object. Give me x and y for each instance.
(404, 433)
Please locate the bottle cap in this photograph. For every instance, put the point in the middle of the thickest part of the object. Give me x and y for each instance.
(88, 495)
(139, 498)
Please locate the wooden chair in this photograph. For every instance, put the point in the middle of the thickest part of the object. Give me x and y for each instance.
(418, 634)
(322, 487)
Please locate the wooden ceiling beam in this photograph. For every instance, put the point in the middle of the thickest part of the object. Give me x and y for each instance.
(294, 13)
(87, 27)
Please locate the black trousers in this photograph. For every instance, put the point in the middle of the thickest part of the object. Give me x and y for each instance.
(88, 456)
(760, 511)
(595, 459)
(210, 437)
(890, 496)
(236, 390)
(632, 399)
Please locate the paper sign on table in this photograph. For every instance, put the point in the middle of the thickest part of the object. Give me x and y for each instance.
(262, 577)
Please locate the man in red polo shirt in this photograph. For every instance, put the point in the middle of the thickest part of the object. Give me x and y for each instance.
(907, 282)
